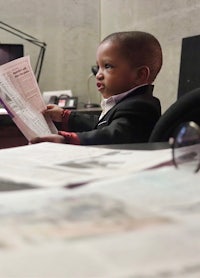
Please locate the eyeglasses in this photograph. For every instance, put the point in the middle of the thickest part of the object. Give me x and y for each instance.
(186, 147)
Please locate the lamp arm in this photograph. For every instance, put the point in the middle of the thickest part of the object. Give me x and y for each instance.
(39, 63)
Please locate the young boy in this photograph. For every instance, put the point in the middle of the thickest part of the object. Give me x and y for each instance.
(127, 65)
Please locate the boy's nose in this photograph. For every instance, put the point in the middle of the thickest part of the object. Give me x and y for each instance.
(99, 75)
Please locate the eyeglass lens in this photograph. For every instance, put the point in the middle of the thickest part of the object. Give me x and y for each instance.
(186, 147)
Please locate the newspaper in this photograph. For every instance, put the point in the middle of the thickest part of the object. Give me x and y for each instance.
(142, 225)
(52, 165)
(21, 97)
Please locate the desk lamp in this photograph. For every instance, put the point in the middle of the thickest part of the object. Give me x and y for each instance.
(31, 39)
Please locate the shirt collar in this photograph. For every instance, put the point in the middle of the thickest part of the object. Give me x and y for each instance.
(111, 101)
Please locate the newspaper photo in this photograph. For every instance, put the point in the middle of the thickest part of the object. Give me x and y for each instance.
(21, 97)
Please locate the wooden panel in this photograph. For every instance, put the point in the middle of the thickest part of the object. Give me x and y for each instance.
(10, 136)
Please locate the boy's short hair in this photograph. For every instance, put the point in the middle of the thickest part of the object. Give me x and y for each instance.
(142, 48)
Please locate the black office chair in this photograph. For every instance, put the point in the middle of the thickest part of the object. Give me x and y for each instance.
(186, 108)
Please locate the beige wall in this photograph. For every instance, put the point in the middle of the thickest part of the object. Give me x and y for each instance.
(72, 30)
(169, 21)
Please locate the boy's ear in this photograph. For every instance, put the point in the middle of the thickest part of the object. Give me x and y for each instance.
(143, 74)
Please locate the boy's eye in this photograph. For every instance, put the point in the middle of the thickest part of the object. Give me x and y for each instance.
(108, 66)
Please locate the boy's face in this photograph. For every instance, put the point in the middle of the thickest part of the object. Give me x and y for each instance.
(115, 74)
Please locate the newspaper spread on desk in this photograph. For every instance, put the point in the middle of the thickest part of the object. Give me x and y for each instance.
(142, 225)
(21, 97)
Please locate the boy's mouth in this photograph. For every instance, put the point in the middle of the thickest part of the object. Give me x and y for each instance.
(100, 86)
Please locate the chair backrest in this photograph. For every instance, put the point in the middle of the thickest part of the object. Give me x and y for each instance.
(186, 108)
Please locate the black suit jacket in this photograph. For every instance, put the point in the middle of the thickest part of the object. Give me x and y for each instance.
(129, 121)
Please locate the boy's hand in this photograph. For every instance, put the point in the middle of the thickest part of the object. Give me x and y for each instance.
(55, 138)
(55, 112)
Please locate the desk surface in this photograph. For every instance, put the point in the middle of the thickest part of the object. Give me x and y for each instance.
(139, 146)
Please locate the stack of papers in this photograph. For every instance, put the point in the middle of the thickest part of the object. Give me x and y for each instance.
(143, 225)
(135, 215)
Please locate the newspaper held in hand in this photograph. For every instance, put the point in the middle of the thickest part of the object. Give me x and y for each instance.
(21, 97)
